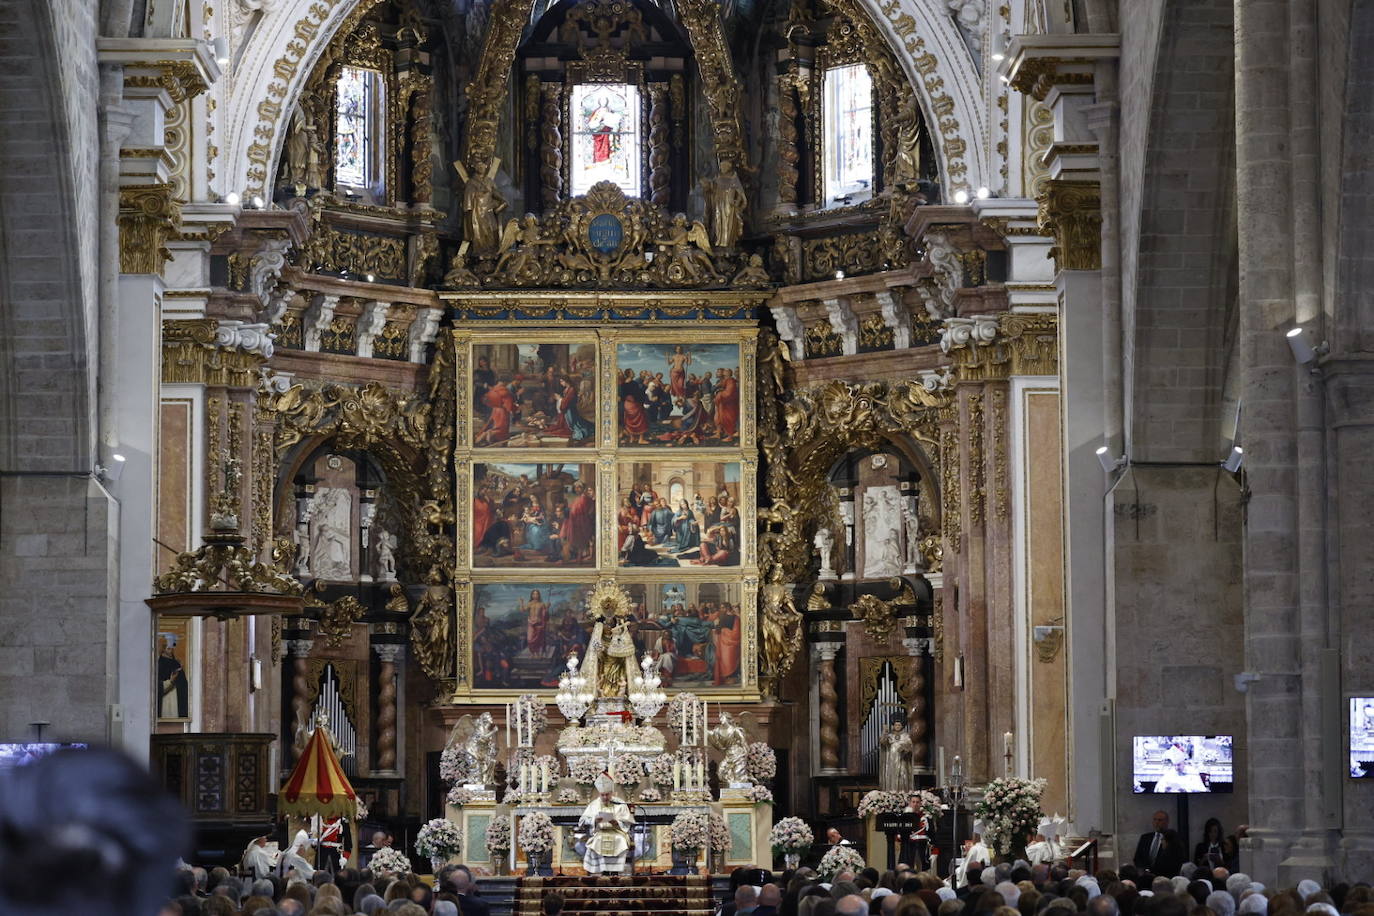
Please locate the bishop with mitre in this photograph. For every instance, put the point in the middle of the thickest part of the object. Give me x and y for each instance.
(606, 823)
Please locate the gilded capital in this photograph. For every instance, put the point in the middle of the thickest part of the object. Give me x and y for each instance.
(987, 347)
(212, 352)
(148, 216)
(1071, 211)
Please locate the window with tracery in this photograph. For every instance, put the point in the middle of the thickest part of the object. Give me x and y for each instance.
(606, 142)
(358, 129)
(848, 114)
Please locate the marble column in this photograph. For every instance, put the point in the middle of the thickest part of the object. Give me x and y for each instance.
(389, 654)
(829, 710)
(300, 687)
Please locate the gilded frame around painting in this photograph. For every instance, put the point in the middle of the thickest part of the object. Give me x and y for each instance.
(560, 474)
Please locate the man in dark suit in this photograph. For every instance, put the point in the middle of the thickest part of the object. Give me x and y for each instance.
(1160, 850)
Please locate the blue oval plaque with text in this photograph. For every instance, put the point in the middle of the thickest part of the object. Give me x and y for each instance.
(605, 233)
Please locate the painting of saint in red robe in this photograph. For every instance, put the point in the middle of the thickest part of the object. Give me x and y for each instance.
(534, 395)
(726, 635)
(679, 395)
(533, 515)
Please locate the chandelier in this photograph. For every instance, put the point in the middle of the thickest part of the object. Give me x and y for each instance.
(574, 692)
(646, 699)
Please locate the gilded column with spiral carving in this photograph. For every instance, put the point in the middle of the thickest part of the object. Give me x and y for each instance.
(829, 709)
(913, 688)
(551, 151)
(788, 156)
(300, 693)
(389, 654)
(421, 128)
(660, 173)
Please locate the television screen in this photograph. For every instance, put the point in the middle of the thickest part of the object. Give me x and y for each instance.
(1362, 737)
(16, 755)
(1181, 763)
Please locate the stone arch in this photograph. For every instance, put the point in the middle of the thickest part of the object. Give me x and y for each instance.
(47, 245)
(285, 45)
(1179, 301)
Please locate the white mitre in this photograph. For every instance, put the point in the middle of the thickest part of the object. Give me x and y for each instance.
(604, 784)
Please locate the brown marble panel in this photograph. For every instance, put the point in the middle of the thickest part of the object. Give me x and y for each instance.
(175, 451)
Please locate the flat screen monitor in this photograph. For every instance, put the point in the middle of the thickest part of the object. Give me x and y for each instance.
(1181, 763)
(1362, 737)
(17, 755)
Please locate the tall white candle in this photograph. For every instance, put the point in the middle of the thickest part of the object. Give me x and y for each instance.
(701, 774)
(677, 776)
(508, 744)
(1006, 744)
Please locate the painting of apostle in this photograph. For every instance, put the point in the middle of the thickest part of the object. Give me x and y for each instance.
(534, 395)
(690, 631)
(685, 394)
(523, 633)
(173, 686)
(534, 516)
(678, 514)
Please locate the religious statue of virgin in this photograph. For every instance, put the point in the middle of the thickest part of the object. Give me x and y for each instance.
(610, 662)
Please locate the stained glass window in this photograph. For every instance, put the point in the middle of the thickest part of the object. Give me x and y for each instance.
(848, 102)
(357, 129)
(605, 136)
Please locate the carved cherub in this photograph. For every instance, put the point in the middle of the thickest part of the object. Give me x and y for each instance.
(688, 248)
(752, 274)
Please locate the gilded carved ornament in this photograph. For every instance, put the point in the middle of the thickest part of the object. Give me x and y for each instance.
(988, 347)
(148, 216)
(1071, 211)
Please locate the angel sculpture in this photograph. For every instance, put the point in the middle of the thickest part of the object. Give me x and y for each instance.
(688, 249)
(519, 249)
(781, 623)
(730, 738)
(479, 751)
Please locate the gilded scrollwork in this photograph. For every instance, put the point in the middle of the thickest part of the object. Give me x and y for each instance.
(148, 216)
(337, 619)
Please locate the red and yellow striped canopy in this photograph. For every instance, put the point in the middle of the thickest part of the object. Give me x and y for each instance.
(317, 784)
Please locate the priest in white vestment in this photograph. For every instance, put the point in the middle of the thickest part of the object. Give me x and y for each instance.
(1045, 849)
(606, 823)
(295, 856)
(258, 860)
(975, 850)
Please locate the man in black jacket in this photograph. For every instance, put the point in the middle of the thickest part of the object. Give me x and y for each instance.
(1160, 850)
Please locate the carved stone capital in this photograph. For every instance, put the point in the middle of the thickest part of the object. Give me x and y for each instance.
(790, 329)
(209, 352)
(389, 652)
(317, 319)
(370, 324)
(986, 347)
(423, 331)
(1071, 211)
(895, 316)
(148, 216)
(841, 317)
(300, 648)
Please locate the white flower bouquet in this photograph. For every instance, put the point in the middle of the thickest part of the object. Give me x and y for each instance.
(454, 765)
(536, 833)
(439, 839)
(568, 797)
(458, 796)
(498, 837)
(758, 794)
(533, 711)
(675, 709)
(627, 770)
(650, 794)
(880, 802)
(760, 762)
(718, 833)
(838, 859)
(1010, 810)
(791, 835)
(388, 861)
(586, 769)
(689, 830)
(661, 769)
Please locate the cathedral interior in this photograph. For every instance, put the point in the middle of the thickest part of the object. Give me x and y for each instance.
(994, 377)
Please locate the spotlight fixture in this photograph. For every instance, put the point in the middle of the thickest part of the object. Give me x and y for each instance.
(1234, 460)
(1006, 79)
(1108, 461)
(257, 203)
(221, 46)
(998, 55)
(232, 198)
(839, 275)
(1303, 351)
(961, 196)
(983, 193)
(113, 469)
(371, 278)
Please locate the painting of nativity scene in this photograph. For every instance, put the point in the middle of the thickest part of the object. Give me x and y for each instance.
(534, 516)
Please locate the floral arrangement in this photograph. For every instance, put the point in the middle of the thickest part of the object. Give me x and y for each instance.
(517, 758)
(536, 833)
(586, 769)
(645, 736)
(388, 861)
(458, 796)
(515, 797)
(454, 765)
(661, 769)
(791, 835)
(498, 837)
(719, 832)
(627, 770)
(439, 839)
(758, 794)
(568, 797)
(534, 711)
(760, 762)
(838, 859)
(362, 810)
(675, 709)
(929, 804)
(880, 802)
(650, 794)
(689, 830)
(1010, 809)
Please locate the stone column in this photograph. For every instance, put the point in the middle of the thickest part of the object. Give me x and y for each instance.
(300, 691)
(829, 710)
(389, 654)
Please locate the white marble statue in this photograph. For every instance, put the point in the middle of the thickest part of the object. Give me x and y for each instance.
(386, 554)
(825, 546)
(730, 738)
(331, 548)
(895, 772)
(882, 525)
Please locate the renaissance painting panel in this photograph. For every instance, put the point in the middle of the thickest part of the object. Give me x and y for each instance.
(533, 516)
(683, 394)
(691, 631)
(173, 642)
(679, 514)
(523, 633)
(533, 395)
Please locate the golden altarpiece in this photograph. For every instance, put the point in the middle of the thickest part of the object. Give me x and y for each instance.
(560, 309)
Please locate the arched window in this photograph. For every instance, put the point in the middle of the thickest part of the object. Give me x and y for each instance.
(606, 142)
(847, 102)
(358, 131)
